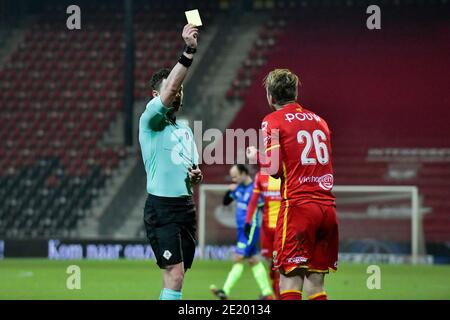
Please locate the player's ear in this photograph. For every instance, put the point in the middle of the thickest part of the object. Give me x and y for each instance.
(155, 93)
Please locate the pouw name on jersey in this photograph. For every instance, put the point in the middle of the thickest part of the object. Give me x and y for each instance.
(300, 116)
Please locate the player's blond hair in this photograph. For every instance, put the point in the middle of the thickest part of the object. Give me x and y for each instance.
(282, 85)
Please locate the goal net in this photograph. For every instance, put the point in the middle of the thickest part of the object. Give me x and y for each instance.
(377, 224)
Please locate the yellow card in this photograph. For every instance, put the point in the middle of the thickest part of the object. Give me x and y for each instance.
(193, 17)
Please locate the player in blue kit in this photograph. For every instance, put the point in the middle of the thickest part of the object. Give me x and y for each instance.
(247, 247)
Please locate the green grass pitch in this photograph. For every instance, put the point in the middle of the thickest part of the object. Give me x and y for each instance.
(125, 279)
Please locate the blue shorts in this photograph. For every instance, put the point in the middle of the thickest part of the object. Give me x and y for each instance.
(247, 247)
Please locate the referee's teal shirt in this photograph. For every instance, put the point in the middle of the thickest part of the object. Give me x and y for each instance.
(168, 150)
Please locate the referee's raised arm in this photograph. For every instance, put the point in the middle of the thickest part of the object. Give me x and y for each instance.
(179, 71)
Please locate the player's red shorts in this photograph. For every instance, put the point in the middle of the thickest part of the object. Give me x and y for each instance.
(306, 237)
(267, 242)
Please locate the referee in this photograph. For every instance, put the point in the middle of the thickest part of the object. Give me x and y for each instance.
(171, 163)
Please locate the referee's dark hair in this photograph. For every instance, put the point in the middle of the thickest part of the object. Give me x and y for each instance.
(158, 77)
(242, 169)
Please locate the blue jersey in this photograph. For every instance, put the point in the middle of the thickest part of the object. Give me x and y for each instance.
(242, 195)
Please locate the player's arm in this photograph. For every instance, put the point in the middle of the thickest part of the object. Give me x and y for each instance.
(270, 161)
(229, 196)
(254, 200)
(252, 205)
(261, 160)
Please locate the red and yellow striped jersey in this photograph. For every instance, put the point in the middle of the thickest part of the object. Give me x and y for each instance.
(268, 189)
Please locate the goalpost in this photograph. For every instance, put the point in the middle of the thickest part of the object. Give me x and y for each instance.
(384, 222)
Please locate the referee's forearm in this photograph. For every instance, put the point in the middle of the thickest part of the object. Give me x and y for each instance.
(174, 81)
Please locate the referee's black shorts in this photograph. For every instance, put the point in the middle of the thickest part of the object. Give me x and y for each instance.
(171, 229)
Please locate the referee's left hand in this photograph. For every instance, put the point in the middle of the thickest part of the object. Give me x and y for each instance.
(195, 176)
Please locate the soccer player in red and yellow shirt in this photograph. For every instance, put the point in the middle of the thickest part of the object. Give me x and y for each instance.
(298, 151)
(269, 189)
